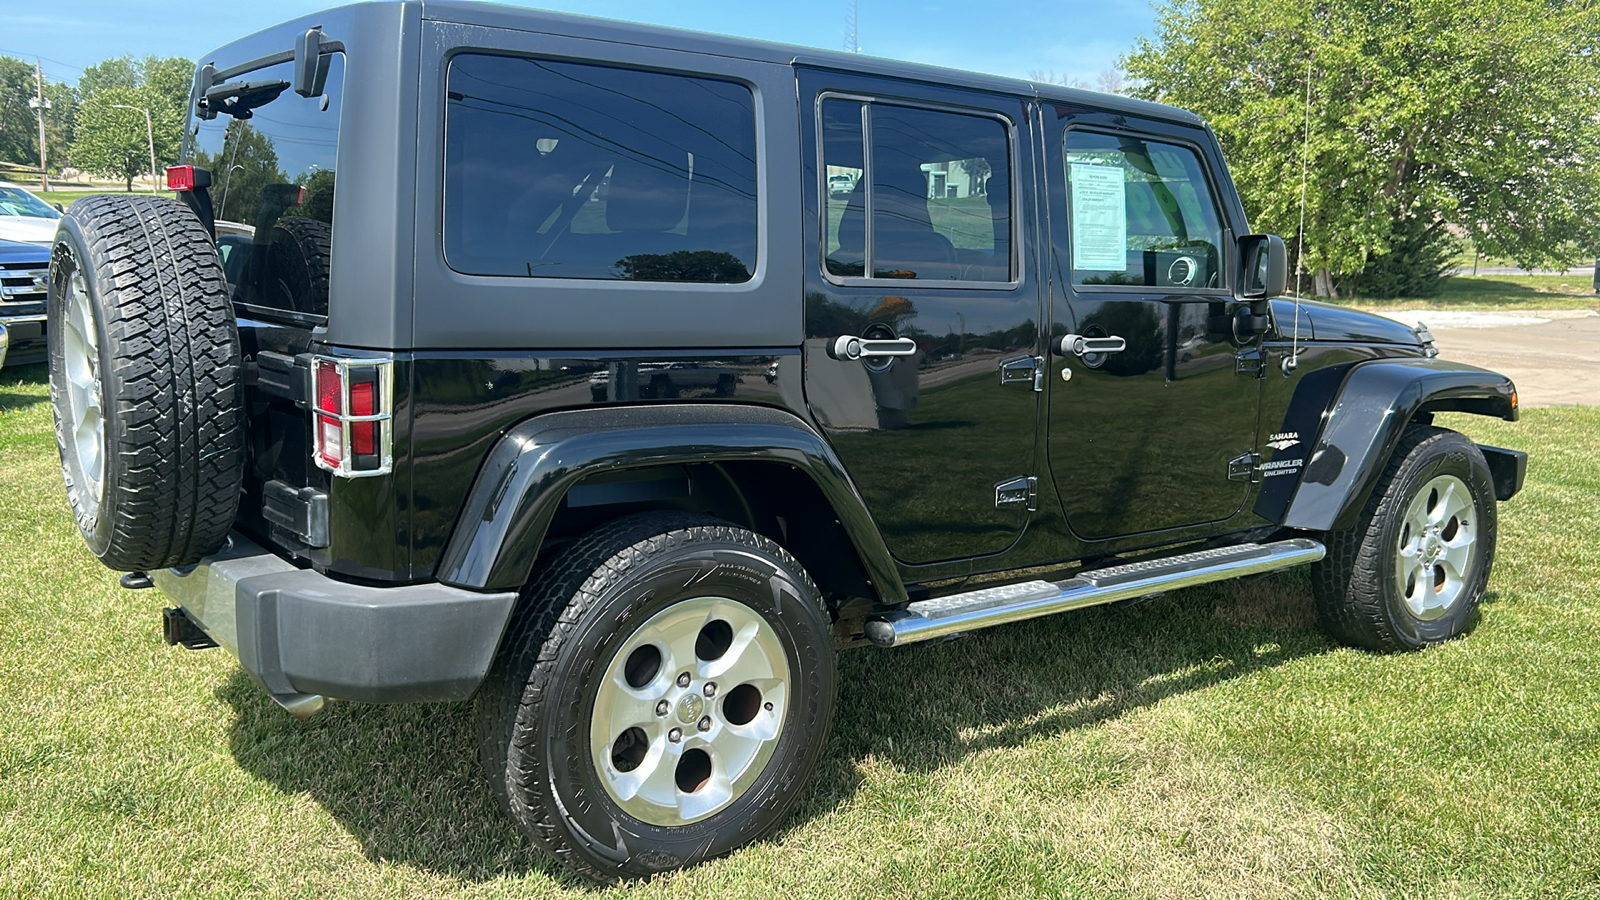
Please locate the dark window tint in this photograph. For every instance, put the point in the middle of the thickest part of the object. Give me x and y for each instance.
(1141, 214)
(272, 177)
(565, 170)
(937, 190)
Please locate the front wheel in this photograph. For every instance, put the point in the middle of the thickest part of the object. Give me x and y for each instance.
(1412, 570)
(663, 697)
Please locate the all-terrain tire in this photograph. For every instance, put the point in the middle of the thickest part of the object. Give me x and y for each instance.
(534, 710)
(153, 342)
(1360, 587)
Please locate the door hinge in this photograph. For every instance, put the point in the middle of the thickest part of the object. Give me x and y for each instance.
(1023, 370)
(1023, 489)
(1250, 361)
(1244, 467)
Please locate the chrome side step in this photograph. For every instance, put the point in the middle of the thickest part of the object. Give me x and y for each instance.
(928, 619)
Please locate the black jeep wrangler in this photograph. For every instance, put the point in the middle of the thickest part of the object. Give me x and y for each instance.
(614, 378)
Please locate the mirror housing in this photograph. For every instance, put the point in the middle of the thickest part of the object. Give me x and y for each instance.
(1263, 267)
(311, 62)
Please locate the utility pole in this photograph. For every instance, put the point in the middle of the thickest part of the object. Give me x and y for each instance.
(40, 104)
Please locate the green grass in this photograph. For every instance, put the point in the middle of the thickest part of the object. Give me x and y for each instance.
(66, 197)
(1210, 743)
(1491, 292)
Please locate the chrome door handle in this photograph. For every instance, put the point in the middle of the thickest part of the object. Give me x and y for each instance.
(1078, 345)
(848, 346)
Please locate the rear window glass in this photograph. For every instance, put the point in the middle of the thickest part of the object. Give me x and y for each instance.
(272, 177)
(568, 170)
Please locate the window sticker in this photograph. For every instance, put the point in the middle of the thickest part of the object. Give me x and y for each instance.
(1099, 218)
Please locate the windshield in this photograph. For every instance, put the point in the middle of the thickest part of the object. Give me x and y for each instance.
(15, 201)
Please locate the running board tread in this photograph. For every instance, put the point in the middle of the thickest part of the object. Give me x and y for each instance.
(970, 611)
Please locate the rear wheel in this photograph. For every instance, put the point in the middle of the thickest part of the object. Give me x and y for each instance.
(1413, 568)
(662, 699)
(144, 370)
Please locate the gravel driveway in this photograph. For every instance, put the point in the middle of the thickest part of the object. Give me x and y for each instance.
(1552, 355)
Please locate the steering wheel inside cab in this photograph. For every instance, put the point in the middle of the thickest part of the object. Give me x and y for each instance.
(1188, 267)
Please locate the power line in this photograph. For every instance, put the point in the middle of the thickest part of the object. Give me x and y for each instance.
(45, 58)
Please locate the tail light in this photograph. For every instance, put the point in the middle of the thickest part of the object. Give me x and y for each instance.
(180, 178)
(353, 415)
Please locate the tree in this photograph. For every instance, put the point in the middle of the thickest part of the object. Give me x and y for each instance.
(19, 134)
(117, 72)
(106, 139)
(19, 124)
(112, 140)
(1479, 113)
(247, 164)
(1109, 81)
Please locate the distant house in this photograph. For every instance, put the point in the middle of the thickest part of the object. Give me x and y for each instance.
(957, 178)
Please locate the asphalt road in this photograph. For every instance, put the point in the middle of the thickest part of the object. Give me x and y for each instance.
(1553, 356)
(1580, 274)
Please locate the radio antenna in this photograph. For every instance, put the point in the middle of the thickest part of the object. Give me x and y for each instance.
(1300, 246)
(852, 18)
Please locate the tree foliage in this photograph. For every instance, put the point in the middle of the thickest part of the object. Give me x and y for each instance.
(241, 172)
(19, 124)
(112, 140)
(1423, 114)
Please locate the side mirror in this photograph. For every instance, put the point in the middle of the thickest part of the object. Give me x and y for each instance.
(1263, 267)
(311, 60)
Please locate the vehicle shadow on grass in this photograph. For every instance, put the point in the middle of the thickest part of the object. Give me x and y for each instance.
(405, 780)
(30, 376)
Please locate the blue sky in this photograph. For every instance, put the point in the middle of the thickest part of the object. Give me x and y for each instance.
(1076, 39)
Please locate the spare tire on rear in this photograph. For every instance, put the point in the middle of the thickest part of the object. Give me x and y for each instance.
(144, 380)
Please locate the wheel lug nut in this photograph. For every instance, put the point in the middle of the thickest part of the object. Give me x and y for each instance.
(711, 689)
(662, 707)
(683, 680)
(675, 735)
(768, 707)
(705, 723)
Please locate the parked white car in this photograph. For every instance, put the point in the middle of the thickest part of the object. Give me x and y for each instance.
(24, 217)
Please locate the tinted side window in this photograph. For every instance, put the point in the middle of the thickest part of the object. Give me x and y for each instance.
(272, 177)
(937, 190)
(1141, 213)
(568, 170)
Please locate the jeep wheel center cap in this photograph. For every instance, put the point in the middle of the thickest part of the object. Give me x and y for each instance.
(690, 707)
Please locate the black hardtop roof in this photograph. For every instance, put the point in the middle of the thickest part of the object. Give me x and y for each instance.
(494, 15)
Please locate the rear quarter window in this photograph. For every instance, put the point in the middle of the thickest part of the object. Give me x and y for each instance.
(569, 170)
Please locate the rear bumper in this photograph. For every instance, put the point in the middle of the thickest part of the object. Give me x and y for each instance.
(302, 633)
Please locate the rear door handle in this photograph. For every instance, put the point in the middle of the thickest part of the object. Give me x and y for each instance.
(848, 346)
(1078, 345)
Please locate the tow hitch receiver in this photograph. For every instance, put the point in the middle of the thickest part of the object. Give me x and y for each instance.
(178, 628)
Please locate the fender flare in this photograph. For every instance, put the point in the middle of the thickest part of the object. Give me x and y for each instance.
(517, 492)
(1362, 426)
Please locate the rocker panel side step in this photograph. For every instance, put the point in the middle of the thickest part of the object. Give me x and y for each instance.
(943, 616)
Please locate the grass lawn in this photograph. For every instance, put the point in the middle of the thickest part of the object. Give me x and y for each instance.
(1210, 743)
(66, 197)
(1488, 292)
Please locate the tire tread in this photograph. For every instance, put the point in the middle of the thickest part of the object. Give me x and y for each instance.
(173, 400)
(519, 681)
